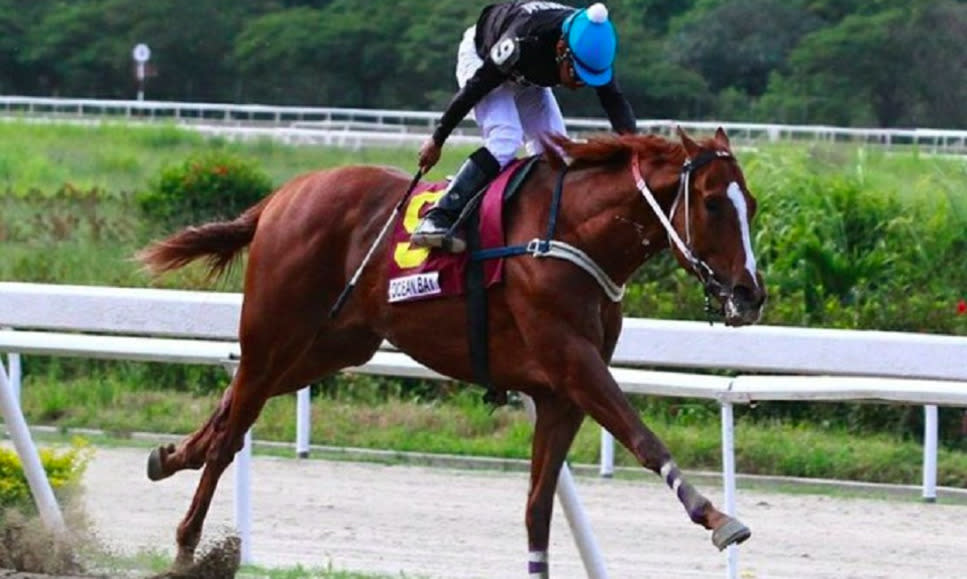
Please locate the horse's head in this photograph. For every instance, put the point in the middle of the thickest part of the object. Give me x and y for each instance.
(700, 204)
(712, 215)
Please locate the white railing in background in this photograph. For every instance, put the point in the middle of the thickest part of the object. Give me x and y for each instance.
(355, 127)
(201, 327)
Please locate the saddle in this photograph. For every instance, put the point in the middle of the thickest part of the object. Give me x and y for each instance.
(422, 273)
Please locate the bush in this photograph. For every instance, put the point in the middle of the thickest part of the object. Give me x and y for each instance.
(64, 471)
(206, 187)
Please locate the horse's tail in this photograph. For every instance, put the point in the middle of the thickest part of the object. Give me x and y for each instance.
(218, 242)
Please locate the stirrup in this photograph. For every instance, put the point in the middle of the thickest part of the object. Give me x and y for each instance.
(436, 230)
(443, 240)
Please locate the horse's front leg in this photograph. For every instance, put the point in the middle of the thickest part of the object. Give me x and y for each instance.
(584, 377)
(557, 422)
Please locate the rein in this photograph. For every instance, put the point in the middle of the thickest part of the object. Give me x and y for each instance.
(549, 247)
(711, 285)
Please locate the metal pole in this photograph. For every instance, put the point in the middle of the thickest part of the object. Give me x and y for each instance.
(930, 453)
(33, 469)
(140, 81)
(243, 502)
(577, 518)
(303, 418)
(580, 525)
(607, 454)
(16, 374)
(728, 482)
(243, 491)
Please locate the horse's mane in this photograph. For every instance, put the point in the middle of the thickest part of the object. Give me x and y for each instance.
(611, 150)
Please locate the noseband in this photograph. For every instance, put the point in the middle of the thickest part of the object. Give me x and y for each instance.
(711, 284)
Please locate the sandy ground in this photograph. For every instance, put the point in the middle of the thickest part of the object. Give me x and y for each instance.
(445, 523)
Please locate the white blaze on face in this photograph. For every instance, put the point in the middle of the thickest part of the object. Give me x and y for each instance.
(738, 199)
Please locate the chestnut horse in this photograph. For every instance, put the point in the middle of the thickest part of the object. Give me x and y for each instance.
(553, 325)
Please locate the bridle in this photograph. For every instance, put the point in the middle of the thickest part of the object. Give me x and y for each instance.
(711, 285)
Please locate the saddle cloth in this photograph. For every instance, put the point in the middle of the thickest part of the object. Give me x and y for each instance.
(419, 273)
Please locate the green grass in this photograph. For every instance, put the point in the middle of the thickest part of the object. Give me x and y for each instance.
(120, 158)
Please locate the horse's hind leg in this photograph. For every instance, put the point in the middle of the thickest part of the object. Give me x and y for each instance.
(166, 460)
(259, 378)
(226, 429)
(558, 420)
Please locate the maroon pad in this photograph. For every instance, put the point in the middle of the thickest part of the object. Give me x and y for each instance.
(417, 273)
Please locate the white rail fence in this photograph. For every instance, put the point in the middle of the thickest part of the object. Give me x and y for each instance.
(201, 327)
(354, 127)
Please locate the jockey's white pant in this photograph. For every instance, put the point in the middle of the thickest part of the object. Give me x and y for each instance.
(511, 115)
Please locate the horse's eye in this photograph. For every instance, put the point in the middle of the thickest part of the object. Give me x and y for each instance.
(713, 205)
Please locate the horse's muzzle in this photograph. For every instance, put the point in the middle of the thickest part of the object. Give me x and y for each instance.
(743, 305)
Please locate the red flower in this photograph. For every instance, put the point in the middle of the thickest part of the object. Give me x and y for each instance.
(962, 307)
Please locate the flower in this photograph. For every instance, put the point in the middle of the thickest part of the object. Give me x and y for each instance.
(962, 307)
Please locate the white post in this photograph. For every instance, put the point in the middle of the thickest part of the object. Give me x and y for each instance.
(607, 454)
(243, 503)
(140, 81)
(728, 482)
(16, 374)
(580, 525)
(577, 519)
(303, 423)
(243, 491)
(930, 453)
(33, 469)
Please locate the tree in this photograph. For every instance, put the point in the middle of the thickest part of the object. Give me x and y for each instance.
(278, 58)
(863, 59)
(15, 75)
(338, 56)
(428, 50)
(84, 47)
(941, 64)
(739, 43)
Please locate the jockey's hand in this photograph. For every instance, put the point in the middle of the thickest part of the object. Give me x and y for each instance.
(429, 154)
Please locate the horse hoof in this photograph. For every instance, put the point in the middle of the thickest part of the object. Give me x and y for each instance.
(732, 532)
(156, 463)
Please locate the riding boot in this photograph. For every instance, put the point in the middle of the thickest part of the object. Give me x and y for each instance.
(475, 173)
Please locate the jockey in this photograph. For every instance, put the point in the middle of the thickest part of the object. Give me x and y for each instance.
(506, 66)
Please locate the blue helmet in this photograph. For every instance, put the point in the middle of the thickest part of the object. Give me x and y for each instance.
(591, 38)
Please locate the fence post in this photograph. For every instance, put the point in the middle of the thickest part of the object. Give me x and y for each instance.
(14, 377)
(16, 374)
(607, 454)
(930, 453)
(243, 491)
(33, 469)
(303, 423)
(728, 481)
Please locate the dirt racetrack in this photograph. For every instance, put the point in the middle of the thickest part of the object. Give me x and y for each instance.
(446, 523)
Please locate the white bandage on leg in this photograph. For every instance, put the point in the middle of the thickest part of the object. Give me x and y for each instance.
(537, 565)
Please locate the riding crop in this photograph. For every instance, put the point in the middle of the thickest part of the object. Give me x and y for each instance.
(334, 311)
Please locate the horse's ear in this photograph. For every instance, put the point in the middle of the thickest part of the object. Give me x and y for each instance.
(691, 147)
(721, 139)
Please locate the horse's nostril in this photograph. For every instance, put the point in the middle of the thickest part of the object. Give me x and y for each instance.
(747, 295)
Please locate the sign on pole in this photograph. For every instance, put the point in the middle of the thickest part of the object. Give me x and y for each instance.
(141, 54)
